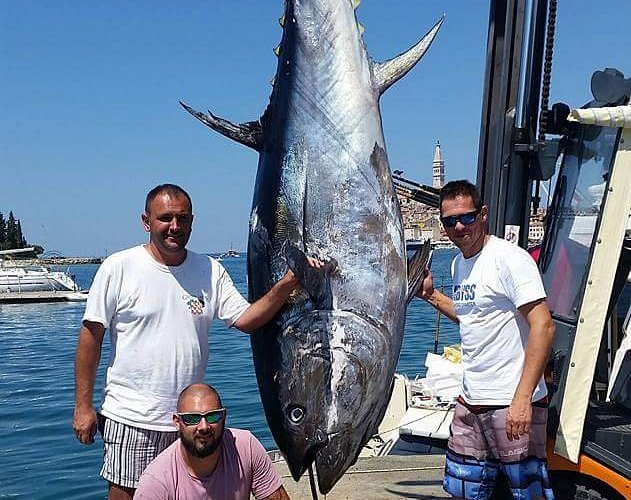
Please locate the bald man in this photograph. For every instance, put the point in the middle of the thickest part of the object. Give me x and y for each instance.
(209, 461)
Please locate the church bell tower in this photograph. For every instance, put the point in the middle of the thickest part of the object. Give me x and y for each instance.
(438, 168)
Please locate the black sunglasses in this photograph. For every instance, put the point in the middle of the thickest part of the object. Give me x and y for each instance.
(211, 417)
(465, 219)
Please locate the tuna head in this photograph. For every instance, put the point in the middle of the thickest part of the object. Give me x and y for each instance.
(330, 387)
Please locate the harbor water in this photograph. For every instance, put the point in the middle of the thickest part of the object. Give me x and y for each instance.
(40, 456)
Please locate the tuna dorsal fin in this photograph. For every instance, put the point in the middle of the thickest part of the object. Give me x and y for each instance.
(416, 268)
(249, 134)
(388, 72)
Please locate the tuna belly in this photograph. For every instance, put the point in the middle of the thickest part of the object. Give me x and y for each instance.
(333, 382)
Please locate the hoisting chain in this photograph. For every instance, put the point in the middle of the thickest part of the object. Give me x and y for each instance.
(547, 69)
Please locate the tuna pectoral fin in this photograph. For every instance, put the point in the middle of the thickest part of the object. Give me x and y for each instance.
(388, 72)
(249, 134)
(416, 268)
(314, 281)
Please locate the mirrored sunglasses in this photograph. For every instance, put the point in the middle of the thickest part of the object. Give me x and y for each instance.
(211, 417)
(465, 219)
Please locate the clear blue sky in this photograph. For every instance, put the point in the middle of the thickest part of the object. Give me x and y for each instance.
(90, 119)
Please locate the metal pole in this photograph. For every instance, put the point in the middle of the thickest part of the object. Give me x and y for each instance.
(438, 315)
(525, 66)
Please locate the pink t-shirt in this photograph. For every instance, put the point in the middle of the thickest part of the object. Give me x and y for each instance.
(243, 468)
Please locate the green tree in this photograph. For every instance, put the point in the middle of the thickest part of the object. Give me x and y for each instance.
(3, 232)
(12, 241)
(20, 237)
(11, 235)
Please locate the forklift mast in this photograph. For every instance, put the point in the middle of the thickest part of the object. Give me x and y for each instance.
(507, 159)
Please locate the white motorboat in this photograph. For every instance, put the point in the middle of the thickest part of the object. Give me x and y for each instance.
(420, 411)
(230, 253)
(18, 279)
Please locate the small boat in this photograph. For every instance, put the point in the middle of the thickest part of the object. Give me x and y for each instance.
(229, 253)
(413, 245)
(442, 245)
(80, 296)
(18, 279)
(420, 411)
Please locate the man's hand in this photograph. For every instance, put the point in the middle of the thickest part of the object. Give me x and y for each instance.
(84, 424)
(264, 309)
(426, 291)
(436, 298)
(86, 362)
(518, 418)
(291, 280)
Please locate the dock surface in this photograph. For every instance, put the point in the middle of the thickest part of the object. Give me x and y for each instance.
(45, 296)
(379, 478)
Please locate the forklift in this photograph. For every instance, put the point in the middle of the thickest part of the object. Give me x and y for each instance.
(585, 255)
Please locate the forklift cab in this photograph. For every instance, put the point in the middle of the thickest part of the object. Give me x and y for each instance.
(585, 264)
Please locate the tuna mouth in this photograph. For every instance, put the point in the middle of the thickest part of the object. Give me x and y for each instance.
(331, 462)
(299, 464)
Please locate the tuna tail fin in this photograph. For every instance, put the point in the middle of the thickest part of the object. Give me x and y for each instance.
(249, 134)
(388, 72)
(416, 269)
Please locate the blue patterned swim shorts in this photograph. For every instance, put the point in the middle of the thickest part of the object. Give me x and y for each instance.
(479, 450)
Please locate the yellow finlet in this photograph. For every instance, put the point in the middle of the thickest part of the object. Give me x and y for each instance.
(361, 28)
(356, 3)
(277, 51)
(281, 21)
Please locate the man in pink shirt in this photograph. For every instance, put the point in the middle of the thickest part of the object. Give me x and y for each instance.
(209, 461)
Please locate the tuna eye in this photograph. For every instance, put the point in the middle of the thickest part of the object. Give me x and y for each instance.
(296, 414)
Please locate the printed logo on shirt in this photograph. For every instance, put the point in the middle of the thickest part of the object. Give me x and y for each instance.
(464, 295)
(195, 304)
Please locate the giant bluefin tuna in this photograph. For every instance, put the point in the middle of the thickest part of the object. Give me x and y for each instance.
(325, 364)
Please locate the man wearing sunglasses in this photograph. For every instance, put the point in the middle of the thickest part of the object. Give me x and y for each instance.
(498, 300)
(158, 301)
(209, 461)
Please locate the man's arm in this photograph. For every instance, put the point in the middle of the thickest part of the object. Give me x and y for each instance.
(436, 299)
(279, 494)
(86, 362)
(264, 309)
(540, 338)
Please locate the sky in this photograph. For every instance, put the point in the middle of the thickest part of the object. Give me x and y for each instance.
(90, 120)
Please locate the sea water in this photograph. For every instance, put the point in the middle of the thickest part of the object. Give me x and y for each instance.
(40, 457)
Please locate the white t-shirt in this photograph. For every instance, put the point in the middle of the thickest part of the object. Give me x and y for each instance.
(487, 290)
(158, 317)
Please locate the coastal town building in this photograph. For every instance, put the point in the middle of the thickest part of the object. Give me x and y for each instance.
(421, 221)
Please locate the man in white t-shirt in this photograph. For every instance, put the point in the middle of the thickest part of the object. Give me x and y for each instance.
(498, 300)
(209, 461)
(157, 301)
